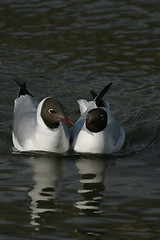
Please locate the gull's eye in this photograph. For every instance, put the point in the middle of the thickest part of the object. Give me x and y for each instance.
(51, 111)
(102, 117)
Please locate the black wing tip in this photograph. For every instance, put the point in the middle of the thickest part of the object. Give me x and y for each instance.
(105, 89)
(98, 97)
(23, 90)
(93, 93)
(102, 92)
(18, 83)
(109, 85)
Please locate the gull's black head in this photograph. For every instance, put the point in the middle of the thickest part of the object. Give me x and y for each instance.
(52, 113)
(96, 120)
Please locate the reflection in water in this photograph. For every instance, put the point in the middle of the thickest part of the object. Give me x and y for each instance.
(92, 177)
(47, 171)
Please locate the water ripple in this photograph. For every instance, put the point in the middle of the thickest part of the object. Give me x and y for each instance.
(64, 49)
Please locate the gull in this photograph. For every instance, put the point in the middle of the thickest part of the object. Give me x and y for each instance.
(96, 130)
(39, 126)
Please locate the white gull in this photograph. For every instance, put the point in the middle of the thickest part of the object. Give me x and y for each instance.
(39, 127)
(96, 131)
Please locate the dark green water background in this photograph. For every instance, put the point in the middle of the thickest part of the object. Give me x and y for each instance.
(63, 49)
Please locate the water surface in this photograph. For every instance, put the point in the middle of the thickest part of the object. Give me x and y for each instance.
(64, 49)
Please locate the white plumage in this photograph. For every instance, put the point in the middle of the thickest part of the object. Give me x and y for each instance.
(30, 131)
(108, 140)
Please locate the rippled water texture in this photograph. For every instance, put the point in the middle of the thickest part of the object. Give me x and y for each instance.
(64, 49)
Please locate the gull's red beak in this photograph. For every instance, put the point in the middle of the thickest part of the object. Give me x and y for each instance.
(66, 121)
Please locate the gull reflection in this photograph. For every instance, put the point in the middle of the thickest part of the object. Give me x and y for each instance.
(92, 173)
(46, 172)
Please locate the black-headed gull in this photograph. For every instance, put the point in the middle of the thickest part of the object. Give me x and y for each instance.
(96, 131)
(39, 126)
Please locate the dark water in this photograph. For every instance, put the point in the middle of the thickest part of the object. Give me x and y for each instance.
(63, 49)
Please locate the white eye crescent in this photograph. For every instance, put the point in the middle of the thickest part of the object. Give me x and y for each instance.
(102, 117)
(51, 111)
